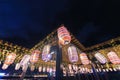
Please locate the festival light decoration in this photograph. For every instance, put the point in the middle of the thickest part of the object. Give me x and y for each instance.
(72, 53)
(63, 35)
(25, 60)
(17, 67)
(113, 57)
(32, 68)
(10, 58)
(24, 67)
(5, 66)
(84, 59)
(48, 68)
(44, 69)
(40, 68)
(34, 56)
(100, 58)
(46, 56)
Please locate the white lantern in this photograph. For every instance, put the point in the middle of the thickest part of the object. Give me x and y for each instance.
(107, 70)
(72, 53)
(0, 62)
(70, 66)
(44, 69)
(5, 66)
(100, 58)
(17, 67)
(25, 60)
(24, 67)
(40, 68)
(46, 53)
(32, 68)
(48, 69)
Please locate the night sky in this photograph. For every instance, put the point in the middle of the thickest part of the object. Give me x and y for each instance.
(26, 22)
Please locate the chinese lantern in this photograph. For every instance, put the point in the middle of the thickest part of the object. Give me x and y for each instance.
(70, 66)
(48, 69)
(100, 58)
(44, 69)
(24, 67)
(46, 53)
(32, 68)
(10, 59)
(25, 60)
(72, 53)
(75, 68)
(54, 69)
(84, 59)
(17, 67)
(5, 66)
(113, 57)
(40, 68)
(63, 35)
(34, 56)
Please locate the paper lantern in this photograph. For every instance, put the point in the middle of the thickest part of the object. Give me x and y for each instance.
(113, 57)
(24, 67)
(54, 69)
(107, 70)
(10, 58)
(114, 69)
(34, 56)
(25, 60)
(75, 67)
(70, 66)
(48, 69)
(40, 68)
(72, 53)
(84, 59)
(32, 68)
(63, 35)
(100, 58)
(5, 66)
(17, 67)
(100, 70)
(44, 69)
(46, 53)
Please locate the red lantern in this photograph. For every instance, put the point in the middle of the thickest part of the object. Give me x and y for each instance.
(10, 59)
(35, 56)
(113, 57)
(84, 59)
(63, 35)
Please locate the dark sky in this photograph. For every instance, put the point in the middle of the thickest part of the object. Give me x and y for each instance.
(26, 22)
